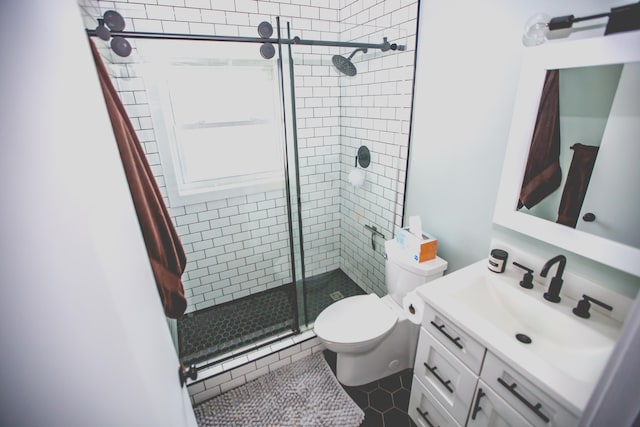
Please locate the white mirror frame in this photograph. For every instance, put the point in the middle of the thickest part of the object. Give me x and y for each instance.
(611, 49)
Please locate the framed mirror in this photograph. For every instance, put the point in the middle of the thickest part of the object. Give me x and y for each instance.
(571, 177)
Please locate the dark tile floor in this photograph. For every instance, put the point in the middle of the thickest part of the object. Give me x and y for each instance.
(385, 402)
(216, 330)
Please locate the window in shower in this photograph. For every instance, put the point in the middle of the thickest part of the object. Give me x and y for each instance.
(219, 124)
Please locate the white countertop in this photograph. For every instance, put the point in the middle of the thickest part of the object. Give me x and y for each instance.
(572, 385)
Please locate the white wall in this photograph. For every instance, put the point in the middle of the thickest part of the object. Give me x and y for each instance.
(468, 64)
(83, 340)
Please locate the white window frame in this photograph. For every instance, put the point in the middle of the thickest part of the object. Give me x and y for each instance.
(155, 70)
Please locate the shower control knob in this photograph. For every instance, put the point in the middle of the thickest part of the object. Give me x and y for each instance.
(589, 217)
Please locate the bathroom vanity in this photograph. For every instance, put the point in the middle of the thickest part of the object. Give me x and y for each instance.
(491, 352)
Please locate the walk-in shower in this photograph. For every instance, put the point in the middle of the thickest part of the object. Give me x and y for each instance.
(263, 260)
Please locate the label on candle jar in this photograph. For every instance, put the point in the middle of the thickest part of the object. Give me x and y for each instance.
(498, 260)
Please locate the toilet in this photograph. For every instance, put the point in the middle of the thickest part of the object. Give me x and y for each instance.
(372, 336)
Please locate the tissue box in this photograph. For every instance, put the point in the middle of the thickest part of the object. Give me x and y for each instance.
(419, 249)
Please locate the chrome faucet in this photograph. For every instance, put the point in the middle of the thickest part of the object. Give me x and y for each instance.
(553, 293)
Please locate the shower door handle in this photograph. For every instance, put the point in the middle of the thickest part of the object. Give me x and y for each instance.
(184, 373)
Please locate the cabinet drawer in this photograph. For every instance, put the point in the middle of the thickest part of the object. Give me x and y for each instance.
(533, 403)
(489, 410)
(445, 376)
(425, 410)
(470, 351)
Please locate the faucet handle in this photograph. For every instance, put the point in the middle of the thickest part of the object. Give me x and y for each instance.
(527, 279)
(582, 309)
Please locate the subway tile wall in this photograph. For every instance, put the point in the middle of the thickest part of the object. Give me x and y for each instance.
(239, 246)
(376, 112)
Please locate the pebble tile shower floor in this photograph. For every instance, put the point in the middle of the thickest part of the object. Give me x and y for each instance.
(207, 333)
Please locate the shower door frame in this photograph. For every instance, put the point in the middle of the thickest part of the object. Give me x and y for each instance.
(299, 310)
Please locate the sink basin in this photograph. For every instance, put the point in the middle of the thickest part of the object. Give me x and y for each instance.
(565, 353)
(561, 340)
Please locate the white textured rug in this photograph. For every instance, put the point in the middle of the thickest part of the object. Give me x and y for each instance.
(304, 393)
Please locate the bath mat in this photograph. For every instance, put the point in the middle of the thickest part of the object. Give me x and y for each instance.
(304, 393)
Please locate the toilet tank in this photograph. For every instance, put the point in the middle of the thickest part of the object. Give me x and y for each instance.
(403, 274)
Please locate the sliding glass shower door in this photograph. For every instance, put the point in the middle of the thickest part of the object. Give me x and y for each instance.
(211, 118)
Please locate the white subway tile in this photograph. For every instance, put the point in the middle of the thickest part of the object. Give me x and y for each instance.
(201, 4)
(190, 15)
(206, 395)
(159, 12)
(175, 27)
(291, 11)
(213, 16)
(250, 376)
(171, 2)
(250, 6)
(268, 8)
(237, 18)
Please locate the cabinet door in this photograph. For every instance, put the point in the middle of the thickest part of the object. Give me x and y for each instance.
(445, 376)
(536, 405)
(489, 409)
(425, 410)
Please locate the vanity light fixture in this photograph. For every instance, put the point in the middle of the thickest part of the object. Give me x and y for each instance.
(622, 18)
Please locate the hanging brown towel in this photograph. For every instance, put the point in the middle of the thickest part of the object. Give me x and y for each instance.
(584, 158)
(542, 174)
(161, 239)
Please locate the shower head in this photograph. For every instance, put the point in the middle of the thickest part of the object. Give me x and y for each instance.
(344, 65)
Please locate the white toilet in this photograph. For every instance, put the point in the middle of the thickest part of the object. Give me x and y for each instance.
(372, 336)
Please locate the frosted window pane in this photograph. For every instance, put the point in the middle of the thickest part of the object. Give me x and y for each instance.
(234, 151)
(213, 94)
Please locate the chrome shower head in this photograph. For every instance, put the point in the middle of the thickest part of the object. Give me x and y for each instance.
(344, 65)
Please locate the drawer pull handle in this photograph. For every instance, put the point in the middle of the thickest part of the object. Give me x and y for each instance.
(535, 408)
(441, 329)
(424, 416)
(439, 378)
(476, 406)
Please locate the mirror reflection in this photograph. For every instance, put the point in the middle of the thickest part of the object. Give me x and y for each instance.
(582, 167)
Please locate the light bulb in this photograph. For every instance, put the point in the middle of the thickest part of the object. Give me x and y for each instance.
(536, 30)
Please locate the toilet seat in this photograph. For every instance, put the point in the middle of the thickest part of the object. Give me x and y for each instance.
(356, 319)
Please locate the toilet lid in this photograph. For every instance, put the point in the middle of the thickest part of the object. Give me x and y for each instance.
(355, 319)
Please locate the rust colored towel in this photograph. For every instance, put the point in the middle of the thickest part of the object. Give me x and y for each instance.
(584, 158)
(542, 175)
(160, 237)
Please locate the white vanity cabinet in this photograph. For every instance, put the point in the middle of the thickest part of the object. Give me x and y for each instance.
(536, 405)
(458, 382)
